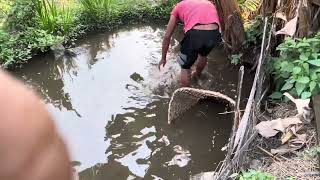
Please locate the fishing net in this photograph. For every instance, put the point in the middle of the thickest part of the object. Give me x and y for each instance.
(184, 99)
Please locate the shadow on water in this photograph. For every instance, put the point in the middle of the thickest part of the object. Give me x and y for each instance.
(110, 104)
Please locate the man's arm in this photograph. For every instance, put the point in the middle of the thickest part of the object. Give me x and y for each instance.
(166, 40)
(30, 147)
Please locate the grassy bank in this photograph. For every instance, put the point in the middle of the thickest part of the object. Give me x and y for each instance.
(29, 27)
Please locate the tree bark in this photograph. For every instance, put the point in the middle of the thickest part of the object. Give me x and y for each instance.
(231, 24)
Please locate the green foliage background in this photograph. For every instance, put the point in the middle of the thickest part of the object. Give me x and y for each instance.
(29, 27)
(297, 69)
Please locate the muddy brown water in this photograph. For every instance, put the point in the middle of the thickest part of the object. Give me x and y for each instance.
(110, 104)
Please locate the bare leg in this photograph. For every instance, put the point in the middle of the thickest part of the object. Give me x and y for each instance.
(185, 77)
(200, 65)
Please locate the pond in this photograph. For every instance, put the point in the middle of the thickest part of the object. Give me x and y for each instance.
(110, 103)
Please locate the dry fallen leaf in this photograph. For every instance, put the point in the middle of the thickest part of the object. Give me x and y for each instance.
(269, 129)
(286, 137)
(290, 28)
(265, 129)
(301, 104)
(282, 150)
(290, 132)
(298, 142)
(293, 145)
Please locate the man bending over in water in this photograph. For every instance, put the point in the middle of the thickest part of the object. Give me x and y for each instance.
(201, 27)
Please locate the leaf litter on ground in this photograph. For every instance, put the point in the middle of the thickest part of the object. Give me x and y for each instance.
(292, 138)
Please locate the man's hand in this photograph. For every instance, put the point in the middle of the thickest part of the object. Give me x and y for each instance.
(162, 63)
(166, 40)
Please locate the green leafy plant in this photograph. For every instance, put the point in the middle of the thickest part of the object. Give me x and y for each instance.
(22, 36)
(313, 152)
(290, 178)
(256, 175)
(236, 58)
(297, 69)
(21, 16)
(248, 7)
(21, 46)
(254, 32)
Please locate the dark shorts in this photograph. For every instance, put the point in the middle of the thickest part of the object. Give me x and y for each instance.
(197, 42)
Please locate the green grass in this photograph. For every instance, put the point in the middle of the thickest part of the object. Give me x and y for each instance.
(53, 18)
(97, 7)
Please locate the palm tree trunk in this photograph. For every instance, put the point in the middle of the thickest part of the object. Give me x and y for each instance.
(231, 24)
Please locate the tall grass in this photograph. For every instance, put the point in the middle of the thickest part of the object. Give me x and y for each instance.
(53, 18)
(47, 12)
(97, 8)
(66, 18)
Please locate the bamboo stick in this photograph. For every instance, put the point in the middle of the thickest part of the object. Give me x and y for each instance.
(240, 83)
(268, 153)
(244, 121)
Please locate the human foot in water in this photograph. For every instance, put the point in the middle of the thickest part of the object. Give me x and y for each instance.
(195, 75)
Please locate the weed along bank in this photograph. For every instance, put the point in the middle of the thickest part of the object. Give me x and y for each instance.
(30, 27)
(95, 64)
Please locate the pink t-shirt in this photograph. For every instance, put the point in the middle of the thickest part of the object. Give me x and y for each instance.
(192, 12)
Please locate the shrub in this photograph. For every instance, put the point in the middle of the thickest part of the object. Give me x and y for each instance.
(256, 175)
(21, 46)
(22, 37)
(297, 69)
(236, 58)
(254, 32)
(21, 16)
